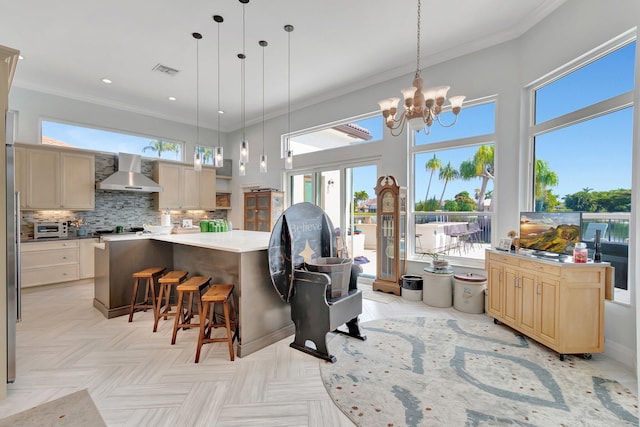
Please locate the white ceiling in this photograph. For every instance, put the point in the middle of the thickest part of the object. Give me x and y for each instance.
(337, 46)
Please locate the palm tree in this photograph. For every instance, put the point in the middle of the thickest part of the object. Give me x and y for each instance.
(359, 196)
(545, 178)
(481, 166)
(432, 165)
(447, 173)
(160, 147)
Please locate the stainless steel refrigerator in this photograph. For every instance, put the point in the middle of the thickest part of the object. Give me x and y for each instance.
(13, 250)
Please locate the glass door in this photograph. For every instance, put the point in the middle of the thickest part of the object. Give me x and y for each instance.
(347, 195)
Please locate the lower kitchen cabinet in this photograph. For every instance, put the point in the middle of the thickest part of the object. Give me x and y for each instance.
(43, 263)
(560, 305)
(47, 262)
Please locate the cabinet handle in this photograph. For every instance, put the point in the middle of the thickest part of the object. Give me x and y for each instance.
(64, 257)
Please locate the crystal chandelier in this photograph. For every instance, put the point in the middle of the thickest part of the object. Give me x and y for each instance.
(422, 107)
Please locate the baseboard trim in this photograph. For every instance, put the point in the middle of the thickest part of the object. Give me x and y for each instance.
(621, 353)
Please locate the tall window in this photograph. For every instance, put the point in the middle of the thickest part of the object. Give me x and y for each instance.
(582, 136)
(68, 135)
(453, 172)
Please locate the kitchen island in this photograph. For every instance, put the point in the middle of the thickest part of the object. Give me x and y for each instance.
(238, 257)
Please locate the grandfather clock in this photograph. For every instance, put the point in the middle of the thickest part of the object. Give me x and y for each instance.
(391, 208)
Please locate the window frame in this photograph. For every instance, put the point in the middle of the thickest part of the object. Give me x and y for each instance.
(584, 114)
(414, 149)
(115, 131)
(293, 135)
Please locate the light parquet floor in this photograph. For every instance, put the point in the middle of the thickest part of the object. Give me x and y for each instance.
(138, 378)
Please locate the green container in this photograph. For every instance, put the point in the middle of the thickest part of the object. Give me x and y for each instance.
(204, 226)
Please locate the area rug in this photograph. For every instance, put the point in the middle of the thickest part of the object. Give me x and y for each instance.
(444, 372)
(74, 410)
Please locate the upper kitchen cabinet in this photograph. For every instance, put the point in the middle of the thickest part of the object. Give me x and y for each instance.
(208, 189)
(55, 179)
(183, 187)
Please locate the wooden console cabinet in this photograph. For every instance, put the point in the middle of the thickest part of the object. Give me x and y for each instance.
(560, 305)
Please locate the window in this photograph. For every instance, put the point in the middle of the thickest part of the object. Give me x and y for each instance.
(453, 185)
(69, 135)
(582, 136)
(473, 121)
(338, 135)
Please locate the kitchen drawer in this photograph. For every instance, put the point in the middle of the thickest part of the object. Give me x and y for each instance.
(47, 275)
(50, 257)
(541, 267)
(48, 245)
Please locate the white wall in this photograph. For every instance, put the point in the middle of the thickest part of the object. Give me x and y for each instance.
(572, 30)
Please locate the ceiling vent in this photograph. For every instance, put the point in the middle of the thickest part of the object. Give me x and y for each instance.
(166, 70)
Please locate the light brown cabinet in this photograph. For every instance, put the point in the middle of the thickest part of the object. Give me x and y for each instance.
(262, 209)
(207, 194)
(183, 187)
(560, 305)
(52, 179)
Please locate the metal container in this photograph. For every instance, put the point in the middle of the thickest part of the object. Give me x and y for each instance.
(339, 271)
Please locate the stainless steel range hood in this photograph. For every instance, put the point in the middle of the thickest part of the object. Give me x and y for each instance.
(128, 177)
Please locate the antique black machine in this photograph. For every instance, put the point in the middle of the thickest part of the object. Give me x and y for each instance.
(307, 273)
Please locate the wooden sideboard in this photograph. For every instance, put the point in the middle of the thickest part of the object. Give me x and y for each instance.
(560, 305)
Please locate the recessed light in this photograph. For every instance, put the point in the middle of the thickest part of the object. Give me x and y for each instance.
(20, 57)
(220, 112)
(106, 81)
(172, 98)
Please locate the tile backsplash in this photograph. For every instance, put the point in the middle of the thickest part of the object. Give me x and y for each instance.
(112, 208)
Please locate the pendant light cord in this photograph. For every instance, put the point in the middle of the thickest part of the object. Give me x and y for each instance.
(263, 46)
(243, 75)
(218, 53)
(197, 92)
(289, 92)
(418, 43)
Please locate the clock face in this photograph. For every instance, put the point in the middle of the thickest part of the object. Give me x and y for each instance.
(387, 202)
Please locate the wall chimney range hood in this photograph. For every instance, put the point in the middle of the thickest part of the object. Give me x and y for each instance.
(128, 177)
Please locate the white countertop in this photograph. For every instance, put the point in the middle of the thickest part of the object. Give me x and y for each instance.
(231, 241)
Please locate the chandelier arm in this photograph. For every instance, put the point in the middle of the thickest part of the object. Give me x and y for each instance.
(401, 125)
(437, 117)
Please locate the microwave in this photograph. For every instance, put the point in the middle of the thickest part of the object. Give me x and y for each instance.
(43, 230)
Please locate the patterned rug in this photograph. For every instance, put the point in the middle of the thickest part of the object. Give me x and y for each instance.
(439, 372)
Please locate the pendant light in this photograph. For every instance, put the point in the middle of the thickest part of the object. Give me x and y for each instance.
(244, 144)
(288, 162)
(263, 157)
(197, 159)
(218, 156)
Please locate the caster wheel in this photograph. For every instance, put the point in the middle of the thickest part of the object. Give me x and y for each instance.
(496, 322)
(562, 357)
(587, 356)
